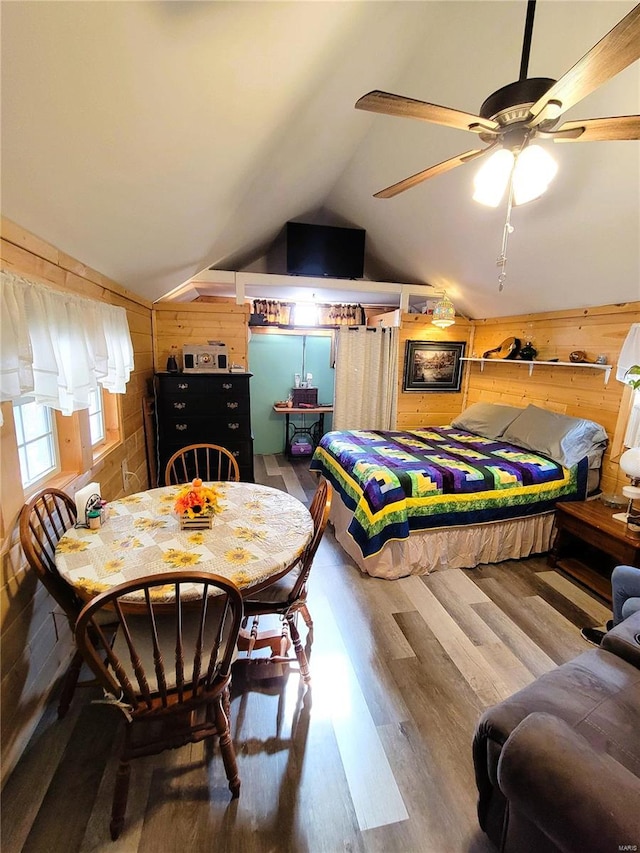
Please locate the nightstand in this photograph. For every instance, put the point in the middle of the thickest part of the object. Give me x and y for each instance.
(589, 543)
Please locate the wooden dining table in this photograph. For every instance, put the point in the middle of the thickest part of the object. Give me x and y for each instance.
(255, 537)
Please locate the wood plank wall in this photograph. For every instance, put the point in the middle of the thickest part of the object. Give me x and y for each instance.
(432, 409)
(205, 319)
(579, 392)
(34, 635)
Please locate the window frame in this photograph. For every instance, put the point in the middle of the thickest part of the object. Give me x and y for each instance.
(54, 441)
(96, 413)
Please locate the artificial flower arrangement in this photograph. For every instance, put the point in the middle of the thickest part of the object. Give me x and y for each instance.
(196, 500)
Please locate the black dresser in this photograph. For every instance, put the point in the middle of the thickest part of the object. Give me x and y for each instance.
(214, 408)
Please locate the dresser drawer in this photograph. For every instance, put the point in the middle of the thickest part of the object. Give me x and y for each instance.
(215, 384)
(184, 431)
(190, 406)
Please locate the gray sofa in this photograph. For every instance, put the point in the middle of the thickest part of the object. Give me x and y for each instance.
(558, 763)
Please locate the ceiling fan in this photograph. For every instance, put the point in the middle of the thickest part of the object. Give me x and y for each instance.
(514, 115)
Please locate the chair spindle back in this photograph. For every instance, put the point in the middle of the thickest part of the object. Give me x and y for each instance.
(210, 462)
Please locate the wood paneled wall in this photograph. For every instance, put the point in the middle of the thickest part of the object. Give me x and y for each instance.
(34, 635)
(432, 409)
(579, 392)
(197, 323)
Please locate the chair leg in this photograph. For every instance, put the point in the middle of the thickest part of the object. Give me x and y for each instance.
(285, 642)
(120, 797)
(253, 636)
(226, 703)
(308, 621)
(300, 653)
(69, 686)
(227, 749)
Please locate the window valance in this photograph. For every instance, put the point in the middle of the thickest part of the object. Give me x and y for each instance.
(326, 314)
(57, 347)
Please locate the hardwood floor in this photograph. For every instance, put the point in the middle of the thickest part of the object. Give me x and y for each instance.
(375, 757)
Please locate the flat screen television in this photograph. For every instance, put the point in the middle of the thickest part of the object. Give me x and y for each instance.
(325, 250)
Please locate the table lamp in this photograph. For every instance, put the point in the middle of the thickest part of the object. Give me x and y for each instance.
(630, 464)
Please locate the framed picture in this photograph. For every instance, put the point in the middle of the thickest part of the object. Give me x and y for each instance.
(433, 366)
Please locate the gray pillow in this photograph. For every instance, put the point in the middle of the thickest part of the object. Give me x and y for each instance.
(562, 438)
(486, 419)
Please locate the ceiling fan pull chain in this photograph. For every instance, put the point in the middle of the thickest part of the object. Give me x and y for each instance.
(508, 229)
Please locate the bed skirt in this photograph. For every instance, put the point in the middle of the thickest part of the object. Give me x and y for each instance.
(447, 548)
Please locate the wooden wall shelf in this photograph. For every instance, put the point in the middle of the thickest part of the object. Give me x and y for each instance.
(531, 364)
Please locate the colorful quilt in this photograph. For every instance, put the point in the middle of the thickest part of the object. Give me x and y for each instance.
(399, 482)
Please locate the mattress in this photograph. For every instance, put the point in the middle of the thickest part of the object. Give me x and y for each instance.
(397, 484)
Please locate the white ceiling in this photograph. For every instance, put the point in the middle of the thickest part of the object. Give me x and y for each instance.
(152, 140)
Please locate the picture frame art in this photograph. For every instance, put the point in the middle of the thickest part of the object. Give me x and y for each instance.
(433, 366)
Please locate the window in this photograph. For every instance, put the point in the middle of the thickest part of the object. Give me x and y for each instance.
(37, 444)
(305, 314)
(96, 417)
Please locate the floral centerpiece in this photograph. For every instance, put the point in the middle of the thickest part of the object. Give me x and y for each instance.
(196, 504)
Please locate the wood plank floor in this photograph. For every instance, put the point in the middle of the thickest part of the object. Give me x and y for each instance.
(375, 757)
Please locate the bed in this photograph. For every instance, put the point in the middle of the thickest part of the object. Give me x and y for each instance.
(479, 490)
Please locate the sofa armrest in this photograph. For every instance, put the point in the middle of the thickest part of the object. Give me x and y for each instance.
(581, 799)
(624, 640)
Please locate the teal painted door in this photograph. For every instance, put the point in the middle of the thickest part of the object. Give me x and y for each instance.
(274, 360)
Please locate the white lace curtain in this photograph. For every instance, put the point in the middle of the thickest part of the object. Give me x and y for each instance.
(366, 383)
(57, 347)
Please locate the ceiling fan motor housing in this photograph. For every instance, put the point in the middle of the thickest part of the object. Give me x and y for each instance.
(512, 103)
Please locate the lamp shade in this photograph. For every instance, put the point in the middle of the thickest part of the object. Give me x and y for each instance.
(630, 463)
(444, 314)
(534, 170)
(492, 178)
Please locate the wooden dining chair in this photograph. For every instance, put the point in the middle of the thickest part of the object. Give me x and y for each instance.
(288, 596)
(43, 521)
(210, 462)
(169, 668)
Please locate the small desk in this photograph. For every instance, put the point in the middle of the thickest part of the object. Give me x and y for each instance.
(315, 430)
(256, 536)
(589, 543)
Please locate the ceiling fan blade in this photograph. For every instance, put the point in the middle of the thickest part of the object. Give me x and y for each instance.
(398, 105)
(431, 172)
(597, 130)
(612, 54)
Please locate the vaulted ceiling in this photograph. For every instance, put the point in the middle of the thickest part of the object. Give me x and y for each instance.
(152, 140)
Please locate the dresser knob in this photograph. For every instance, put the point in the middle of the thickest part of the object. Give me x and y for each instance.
(183, 386)
(232, 405)
(227, 386)
(181, 427)
(179, 405)
(233, 426)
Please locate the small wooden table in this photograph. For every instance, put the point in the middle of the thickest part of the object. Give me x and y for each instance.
(589, 543)
(314, 430)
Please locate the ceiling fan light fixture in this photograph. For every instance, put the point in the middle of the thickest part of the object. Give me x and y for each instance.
(444, 313)
(492, 178)
(534, 170)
